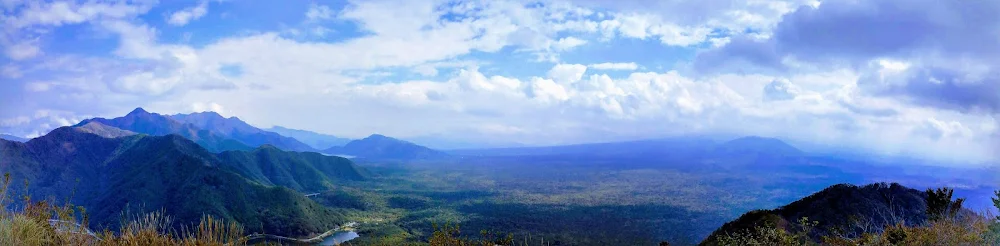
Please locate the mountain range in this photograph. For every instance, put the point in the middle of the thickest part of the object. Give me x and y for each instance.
(109, 171)
(236, 129)
(141, 121)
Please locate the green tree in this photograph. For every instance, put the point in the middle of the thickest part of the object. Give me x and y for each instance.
(940, 205)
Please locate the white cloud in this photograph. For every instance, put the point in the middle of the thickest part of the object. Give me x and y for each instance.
(614, 66)
(567, 73)
(937, 129)
(23, 50)
(319, 12)
(547, 90)
(781, 89)
(184, 16)
(205, 107)
(37, 86)
(568, 43)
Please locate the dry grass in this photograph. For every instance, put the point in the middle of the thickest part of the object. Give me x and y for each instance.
(41, 223)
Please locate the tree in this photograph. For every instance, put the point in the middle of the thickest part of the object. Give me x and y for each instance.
(996, 201)
(940, 205)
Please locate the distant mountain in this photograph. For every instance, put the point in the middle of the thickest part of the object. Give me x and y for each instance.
(13, 138)
(651, 147)
(444, 143)
(140, 121)
(236, 129)
(316, 140)
(754, 145)
(381, 147)
(172, 174)
(303, 171)
(843, 207)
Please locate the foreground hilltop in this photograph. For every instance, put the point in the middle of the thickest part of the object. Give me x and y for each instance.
(874, 214)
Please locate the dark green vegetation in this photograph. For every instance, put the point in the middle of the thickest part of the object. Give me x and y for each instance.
(236, 129)
(303, 171)
(381, 147)
(139, 173)
(842, 209)
(318, 141)
(876, 214)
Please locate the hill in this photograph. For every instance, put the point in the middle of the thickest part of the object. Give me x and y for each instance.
(316, 140)
(382, 147)
(9, 137)
(169, 173)
(753, 145)
(141, 121)
(236, 129)
(849, 209)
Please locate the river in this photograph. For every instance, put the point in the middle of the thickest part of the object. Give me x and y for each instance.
(339, 238)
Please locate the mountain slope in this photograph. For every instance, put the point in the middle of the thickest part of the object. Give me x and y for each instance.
(842, 207)
(13, 138)
(168, 173)
(381, 147)
(238, 130)
(102, 130)
(316, 140)
(140, 121)
(303, 171)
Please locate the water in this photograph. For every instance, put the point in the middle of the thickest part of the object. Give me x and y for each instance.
(339, 237)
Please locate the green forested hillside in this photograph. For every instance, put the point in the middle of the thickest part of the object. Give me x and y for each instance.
(144, 173)
(303, 171)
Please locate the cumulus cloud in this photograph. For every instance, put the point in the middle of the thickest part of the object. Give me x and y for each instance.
(23, 50)
(951, 87)
(184, 16)
(567, 73)
(318, 12)
(780, 89)
(937, 129)
(205, 107)
(942, 54)
(614, 66)
(26, 24)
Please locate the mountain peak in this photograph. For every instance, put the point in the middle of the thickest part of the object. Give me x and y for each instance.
(138, 111)
(209, 113)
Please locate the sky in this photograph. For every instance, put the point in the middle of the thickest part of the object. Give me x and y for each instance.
(917, 78)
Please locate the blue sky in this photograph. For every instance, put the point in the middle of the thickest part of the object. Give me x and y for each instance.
(898, 77)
